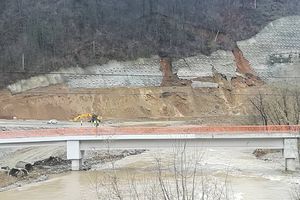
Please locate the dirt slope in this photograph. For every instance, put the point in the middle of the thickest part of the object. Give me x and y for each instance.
(61, 103)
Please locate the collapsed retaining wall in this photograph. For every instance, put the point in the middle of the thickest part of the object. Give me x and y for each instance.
(143, 72)
(201, 65)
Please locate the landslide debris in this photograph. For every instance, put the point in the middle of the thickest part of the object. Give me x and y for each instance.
(247, 75)
(112, 103)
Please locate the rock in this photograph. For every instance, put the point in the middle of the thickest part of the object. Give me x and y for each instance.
(42, 178)
(165, 94)
(18, 172)
(260, 152)
(52, 121)
(13, 172)
(4, 129)
(5, 168)
(126, 153)
(24, 165)
(52, 161)
(86, 167)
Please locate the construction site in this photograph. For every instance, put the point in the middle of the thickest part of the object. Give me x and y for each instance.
(226, 88)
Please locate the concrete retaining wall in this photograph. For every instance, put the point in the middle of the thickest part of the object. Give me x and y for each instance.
(268, 52)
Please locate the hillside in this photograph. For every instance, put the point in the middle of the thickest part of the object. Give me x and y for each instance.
(69, 33)
(206, 106)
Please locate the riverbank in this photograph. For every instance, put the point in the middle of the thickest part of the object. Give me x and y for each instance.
(246, 176)
(48, 162)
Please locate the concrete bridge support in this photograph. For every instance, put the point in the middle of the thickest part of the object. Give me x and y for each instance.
(74, 154)
(290, 153)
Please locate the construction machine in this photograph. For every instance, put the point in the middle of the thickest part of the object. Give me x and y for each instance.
(87, 117)
(83, 117)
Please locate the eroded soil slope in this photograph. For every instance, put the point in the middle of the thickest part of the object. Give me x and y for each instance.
(61, 103)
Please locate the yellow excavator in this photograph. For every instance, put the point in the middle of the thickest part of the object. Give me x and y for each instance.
(87, 117)
(83, 117)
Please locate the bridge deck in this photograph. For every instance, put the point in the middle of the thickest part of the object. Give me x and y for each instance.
(170, 130)
(78, 140)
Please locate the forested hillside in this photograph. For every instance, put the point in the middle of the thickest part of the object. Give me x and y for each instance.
(43, 35)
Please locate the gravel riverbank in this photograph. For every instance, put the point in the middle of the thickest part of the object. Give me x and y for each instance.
(49, 161)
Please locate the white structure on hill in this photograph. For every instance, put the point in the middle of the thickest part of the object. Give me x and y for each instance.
(274, 52)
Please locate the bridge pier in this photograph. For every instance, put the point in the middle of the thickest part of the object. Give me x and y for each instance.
(290, 154)
(74, 154)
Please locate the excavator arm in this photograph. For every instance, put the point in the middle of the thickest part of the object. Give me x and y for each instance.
(85, 116)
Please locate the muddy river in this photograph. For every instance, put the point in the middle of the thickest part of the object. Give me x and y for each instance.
(245, 176)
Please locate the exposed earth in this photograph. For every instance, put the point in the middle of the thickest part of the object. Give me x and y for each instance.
(208, 106)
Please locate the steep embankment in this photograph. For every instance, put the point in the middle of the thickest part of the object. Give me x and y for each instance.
(122, 103)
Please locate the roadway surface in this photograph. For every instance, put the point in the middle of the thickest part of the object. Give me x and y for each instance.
(27, 129)
(6, 125)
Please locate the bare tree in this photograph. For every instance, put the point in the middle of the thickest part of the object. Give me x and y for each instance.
(179, 178)
(259, 105)
(282, 107)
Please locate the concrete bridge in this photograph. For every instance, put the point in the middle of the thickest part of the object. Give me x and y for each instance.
(78, 140)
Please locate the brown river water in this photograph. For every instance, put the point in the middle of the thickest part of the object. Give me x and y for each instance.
(247, 178)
